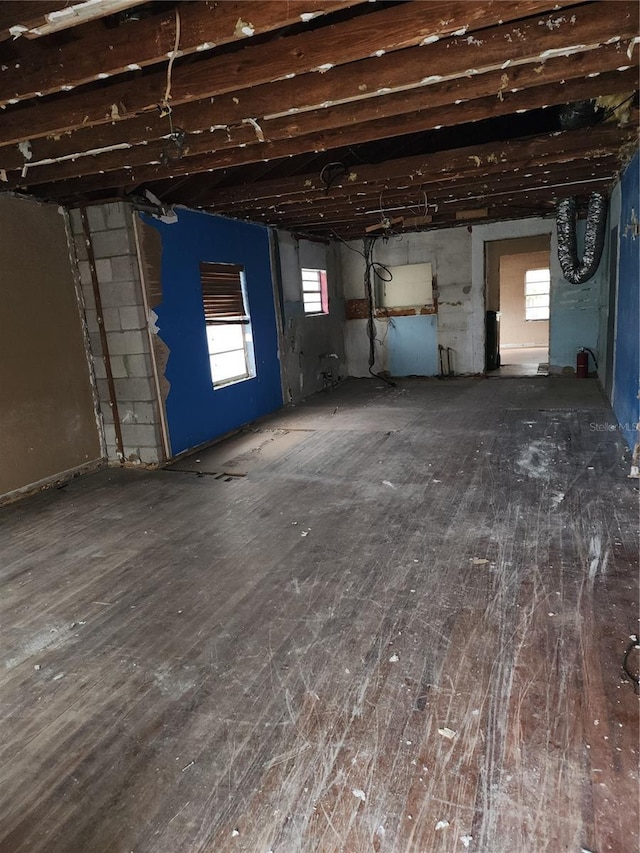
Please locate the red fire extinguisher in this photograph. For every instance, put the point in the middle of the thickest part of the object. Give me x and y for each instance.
(582, 362)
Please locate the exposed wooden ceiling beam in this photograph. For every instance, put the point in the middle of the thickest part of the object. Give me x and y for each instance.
(476, 159)
(432, 193)
(100, 53)
(537, 201)
(35, 19)
(198, 117)
(315, 139)
(388, 30)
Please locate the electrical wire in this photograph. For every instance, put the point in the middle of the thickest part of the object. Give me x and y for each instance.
(339, 170)
(165, 109)
(611, 110)
(634, 644)
(373, 268)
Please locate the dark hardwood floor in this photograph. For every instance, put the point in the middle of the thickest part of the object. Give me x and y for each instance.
(404, 633)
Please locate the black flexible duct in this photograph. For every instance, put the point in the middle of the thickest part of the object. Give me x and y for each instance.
(573, 270)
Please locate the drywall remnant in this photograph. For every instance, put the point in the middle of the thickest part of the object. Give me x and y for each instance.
(359, 794)
(442, 824)
(394, 658)
(25, 149)
(244, 28)
(448, 733)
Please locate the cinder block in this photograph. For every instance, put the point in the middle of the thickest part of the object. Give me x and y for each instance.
(99, 368)
(111, 318)
(107, 414)
(134, 390)
(138, 365)
(127, 343)
(139, 435)
(124, 267)
(81, 248)
(110, 435)
(119, 294)
(95, 214)
(103, 389)
(118, 367)
(103, 270)
(85, 273)
(132, 317)
(149, 455)
(76, 221)
(145, 413)
(107, 244)
(115, 214)
(95, 345)
(88, 296)
(91, 318)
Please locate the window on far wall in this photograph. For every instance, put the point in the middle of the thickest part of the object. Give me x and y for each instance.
(227, 321)
(536, 294)
(314, 291)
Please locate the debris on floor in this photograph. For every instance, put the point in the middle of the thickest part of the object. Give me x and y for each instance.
(448, 733)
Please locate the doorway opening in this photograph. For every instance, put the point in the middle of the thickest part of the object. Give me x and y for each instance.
(518, 289)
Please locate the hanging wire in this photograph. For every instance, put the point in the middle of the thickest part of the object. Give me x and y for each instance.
(174, 145)
(331, 173)
(165, 109)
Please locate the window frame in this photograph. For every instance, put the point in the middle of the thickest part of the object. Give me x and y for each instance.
(539, 300)
(242, 321)
(321, 290)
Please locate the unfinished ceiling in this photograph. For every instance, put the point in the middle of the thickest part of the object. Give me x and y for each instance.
(325, 117)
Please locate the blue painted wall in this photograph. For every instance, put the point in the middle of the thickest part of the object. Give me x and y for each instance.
(196, 412)
(626, 370)
(575, 309)
(413, 345)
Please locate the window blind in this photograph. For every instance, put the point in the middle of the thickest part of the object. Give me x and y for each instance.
(222, 293)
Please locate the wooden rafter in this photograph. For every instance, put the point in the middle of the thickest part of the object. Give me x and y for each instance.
(386, 30)
(478, 160)
(100, 53)
(230, 131)
(231, 152)
(35, 19)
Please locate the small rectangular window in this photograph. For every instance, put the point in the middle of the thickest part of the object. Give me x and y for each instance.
(227, 322)
(536, 294)
(314, 291)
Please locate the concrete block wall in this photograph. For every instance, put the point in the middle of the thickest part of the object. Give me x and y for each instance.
(125, 323)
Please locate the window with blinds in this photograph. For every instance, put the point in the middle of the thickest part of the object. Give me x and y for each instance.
(228, 326)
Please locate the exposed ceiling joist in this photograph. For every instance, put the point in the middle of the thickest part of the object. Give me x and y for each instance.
(327, 50)
(35, 19)
(231, 152)
(475, 159)
(431, 193)
(438, 113)
(231, 131)
(99, 54)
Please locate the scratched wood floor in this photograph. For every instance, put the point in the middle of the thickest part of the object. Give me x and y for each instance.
(405, 634)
